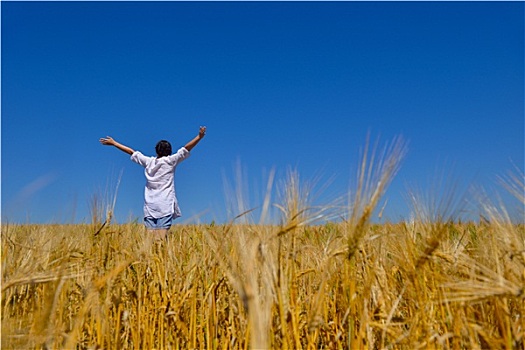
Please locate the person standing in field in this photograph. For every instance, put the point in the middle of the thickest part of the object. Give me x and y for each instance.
(160, 201)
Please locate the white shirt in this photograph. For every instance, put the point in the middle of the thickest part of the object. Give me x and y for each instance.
(159, 193)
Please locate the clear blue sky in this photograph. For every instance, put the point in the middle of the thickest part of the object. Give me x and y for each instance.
(278, 84)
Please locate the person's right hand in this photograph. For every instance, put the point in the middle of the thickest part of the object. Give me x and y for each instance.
(202, 131)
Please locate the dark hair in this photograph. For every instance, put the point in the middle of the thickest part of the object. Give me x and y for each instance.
(163, 148)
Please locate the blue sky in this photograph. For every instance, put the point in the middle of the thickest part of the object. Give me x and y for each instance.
(278, 84)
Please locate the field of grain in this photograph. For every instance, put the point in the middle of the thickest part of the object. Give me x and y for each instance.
(405, 286)
(431, 282)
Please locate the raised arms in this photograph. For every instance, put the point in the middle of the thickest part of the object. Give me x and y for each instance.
(108, 141)
(196, 139)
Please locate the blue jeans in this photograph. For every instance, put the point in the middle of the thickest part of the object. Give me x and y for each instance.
(158, 223)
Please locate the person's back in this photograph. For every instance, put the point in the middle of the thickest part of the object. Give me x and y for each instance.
(160, 201)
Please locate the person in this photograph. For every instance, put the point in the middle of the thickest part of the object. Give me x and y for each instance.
(160, 201)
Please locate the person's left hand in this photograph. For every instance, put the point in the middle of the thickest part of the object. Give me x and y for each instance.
(108, 140)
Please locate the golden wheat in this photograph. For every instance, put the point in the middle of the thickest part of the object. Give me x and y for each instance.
(351, 284)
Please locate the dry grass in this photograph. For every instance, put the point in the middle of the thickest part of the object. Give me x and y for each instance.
(297, 285)
(246, 286)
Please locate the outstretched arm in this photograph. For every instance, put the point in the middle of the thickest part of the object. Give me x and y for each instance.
(196, 139)
(108, 141)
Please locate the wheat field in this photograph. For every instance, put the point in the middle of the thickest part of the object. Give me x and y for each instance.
(428, 283)
(243, 286)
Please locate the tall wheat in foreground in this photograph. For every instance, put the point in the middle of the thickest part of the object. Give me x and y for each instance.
(296, 284)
